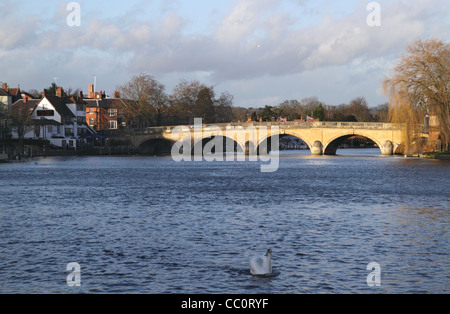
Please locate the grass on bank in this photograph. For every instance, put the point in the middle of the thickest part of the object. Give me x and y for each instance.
(447, 153)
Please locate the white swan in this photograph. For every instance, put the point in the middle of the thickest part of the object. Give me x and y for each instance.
(261, 265)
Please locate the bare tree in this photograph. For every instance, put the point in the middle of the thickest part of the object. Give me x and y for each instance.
(144, 100)
(21, 121)
(193, 99)
(420, 85)
(224, 108)
(204, 106)
(381, 113)
(359, 108)
(184, 100)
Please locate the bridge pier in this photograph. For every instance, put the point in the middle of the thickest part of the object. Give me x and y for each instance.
(247, 149)
(317, 148)
(387, 149)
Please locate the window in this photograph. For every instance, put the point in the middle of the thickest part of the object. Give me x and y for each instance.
(69, 132)
(81, 120)
(112, 112)
(91, 111)
(68, 120)
(91, 122)
(113, 124)
(49, 129)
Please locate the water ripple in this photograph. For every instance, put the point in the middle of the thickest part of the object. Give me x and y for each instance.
(149, 225)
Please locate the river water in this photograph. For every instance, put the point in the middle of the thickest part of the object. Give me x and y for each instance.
(151, 225)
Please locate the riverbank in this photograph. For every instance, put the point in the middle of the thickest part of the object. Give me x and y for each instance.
(441, 156)
(3, 158)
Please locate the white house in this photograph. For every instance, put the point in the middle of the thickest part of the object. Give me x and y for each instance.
(59, 119)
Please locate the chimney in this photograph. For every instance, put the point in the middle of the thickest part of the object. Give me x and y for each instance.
(80, 94)
(5, 86)
(91, 92)
(44, 92)
(59, 92)
(100, 95)
(25, 99)
(116, 95)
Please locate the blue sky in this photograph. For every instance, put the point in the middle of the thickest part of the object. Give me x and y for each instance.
(261, 51)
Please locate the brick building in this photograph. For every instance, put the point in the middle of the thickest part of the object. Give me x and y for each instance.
(103, 113)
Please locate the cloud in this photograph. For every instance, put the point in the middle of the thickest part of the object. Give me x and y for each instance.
(15, 33)
(251, 42)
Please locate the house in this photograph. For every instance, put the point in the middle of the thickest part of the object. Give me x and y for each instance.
(57, 118)
(103, 113)
(8, 96)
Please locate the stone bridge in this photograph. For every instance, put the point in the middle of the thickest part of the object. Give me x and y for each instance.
(323, 138)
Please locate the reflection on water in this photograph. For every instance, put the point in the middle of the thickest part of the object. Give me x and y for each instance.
(150, 225)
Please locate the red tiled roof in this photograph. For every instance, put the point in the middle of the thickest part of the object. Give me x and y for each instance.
(14, 93)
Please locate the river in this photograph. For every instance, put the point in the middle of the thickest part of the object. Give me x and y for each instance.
(152, 225)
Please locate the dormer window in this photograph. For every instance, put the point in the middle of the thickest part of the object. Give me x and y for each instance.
(112, 112)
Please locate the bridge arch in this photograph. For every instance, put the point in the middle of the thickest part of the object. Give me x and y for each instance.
(331, 146)
(282, 134)
(208, 141)
(155, 146)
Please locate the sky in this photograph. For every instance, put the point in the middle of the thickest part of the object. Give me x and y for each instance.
(262, 52)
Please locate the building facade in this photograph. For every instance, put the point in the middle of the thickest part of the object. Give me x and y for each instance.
(104, 113)
(56, 118)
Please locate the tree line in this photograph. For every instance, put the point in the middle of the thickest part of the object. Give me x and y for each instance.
(356, 110)
(147, 104)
